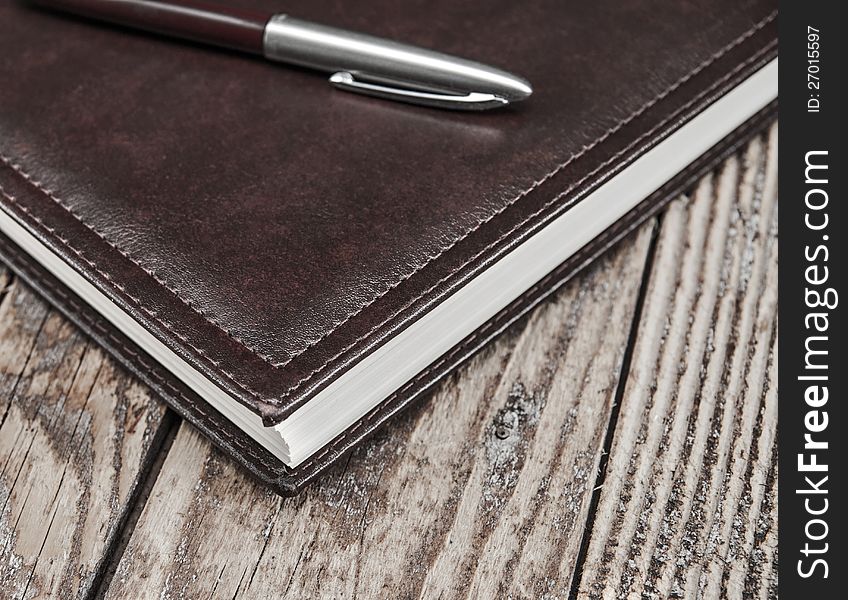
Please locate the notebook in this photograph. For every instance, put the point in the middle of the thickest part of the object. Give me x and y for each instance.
(288, 265)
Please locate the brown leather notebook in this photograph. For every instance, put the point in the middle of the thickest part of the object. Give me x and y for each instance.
(289, 265)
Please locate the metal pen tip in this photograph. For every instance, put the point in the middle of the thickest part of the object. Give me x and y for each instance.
(522, 90)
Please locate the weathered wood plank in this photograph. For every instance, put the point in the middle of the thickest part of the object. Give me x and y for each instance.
(74, 436)
(688, 504)
(483, 492)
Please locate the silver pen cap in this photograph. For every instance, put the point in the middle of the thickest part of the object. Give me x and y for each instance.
(387, 69)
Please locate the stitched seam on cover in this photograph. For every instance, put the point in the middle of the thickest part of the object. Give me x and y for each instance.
(132, 355)
(136, 301)
(308, 377)
(40, 187)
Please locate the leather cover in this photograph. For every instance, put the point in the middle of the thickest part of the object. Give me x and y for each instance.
(273, 231)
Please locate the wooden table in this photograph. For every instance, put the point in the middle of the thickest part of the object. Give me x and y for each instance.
(619, 442)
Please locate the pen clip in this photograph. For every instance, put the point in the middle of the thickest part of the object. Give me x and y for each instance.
(345, 80)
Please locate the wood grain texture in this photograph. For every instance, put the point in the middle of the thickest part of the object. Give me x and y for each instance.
(688, 505)
(74, 436)
(482, 492)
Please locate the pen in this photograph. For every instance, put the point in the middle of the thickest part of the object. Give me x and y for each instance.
(357, 62)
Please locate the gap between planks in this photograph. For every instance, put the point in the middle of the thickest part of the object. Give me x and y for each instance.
(688, 506)
(75, 436)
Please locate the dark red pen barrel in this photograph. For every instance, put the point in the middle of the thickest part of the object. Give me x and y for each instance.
(217, 24)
